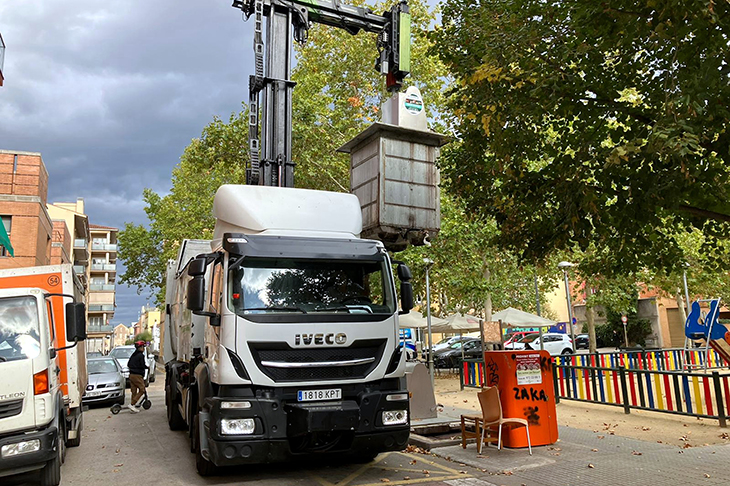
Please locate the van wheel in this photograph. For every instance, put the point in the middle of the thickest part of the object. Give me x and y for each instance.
(51, 472)
(567, 351)
(204, 466)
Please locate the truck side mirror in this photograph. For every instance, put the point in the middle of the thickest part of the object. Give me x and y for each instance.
(406, 297)
(75, 322)
(196, 294)
(404, 273)
(197, 266)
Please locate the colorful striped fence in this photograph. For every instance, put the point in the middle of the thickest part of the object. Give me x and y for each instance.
(653, 360)
(472, 373)
(677, 392)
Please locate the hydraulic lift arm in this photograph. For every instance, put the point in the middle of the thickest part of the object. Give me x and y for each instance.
(291, 19)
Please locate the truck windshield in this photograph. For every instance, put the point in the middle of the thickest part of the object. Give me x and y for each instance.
(266, 286)
(19, 328)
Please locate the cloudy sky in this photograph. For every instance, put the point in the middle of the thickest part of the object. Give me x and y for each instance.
(111, 93)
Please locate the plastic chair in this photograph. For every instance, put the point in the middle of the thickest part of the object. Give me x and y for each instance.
(492, 415)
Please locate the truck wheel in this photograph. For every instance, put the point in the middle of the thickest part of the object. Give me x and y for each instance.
(51, 472)
(204, 466)
(174, 419)
(77, 441)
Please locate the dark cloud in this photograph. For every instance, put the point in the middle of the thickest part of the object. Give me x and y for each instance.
(111, 93)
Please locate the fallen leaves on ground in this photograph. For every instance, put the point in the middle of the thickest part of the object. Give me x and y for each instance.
(594, 450)
(591, 466)
(384, 480)
(636, 453)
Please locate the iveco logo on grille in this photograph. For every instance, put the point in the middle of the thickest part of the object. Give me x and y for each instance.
(320, 338)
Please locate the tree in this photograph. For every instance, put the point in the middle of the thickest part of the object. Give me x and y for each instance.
(593, 124)
(470, 272)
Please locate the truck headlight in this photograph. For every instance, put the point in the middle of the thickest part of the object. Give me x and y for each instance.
(237, 426)
(235, 405)
(395, 417)
(19, 448)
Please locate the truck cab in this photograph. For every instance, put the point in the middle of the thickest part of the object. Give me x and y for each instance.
(37, 420)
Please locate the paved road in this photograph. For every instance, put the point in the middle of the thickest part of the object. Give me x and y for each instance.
(139, 449)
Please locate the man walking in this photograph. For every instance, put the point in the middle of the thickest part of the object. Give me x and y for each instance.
(137, 365)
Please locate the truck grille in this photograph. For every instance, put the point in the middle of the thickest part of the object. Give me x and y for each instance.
(283, 353)
(13, 407)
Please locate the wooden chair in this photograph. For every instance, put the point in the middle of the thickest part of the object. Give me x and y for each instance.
(491, 416)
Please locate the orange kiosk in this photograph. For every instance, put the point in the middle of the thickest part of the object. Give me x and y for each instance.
(526, 390)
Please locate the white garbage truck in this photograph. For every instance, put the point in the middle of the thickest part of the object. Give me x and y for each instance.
(42, 369)
(281, 334)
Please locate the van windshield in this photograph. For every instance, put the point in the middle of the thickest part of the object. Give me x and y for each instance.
(290, 286)
(19, 328)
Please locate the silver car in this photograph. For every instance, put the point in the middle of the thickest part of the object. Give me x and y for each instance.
(105, 381)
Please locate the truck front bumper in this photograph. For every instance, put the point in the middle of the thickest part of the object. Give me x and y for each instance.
(285, 429)
(28, 461)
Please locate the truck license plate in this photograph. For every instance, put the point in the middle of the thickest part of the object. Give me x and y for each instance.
(312, 395)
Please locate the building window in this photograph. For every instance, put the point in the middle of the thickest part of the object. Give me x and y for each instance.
(8, 222)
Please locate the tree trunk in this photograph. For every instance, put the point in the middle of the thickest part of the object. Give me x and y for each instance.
(591, 323)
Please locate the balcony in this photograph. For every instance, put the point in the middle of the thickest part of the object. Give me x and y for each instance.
(101, 307)
(91, 328)
(103, 267)
(101, 287)
(81, 250)
(103, 247)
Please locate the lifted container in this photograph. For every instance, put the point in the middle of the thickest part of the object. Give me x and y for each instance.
(394, 175)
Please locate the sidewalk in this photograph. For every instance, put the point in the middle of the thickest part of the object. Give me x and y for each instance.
(602, 451)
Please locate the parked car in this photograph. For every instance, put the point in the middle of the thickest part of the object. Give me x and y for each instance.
(450, 357)
(552, 342)
(105, 382)
(446, 343)
(93, 354)
(520, 343)
(581, 342)
(123, 353)
(517, 336)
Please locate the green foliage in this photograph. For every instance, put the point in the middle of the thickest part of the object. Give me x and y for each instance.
(593, 125)
(612, 333)
(468, 266)
(145, 336)
(216, 158)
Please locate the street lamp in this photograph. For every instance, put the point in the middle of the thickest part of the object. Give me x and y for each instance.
(564, 266)
(429, 264)
(686, 292)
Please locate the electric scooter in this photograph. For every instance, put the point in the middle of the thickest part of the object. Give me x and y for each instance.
(144, 402)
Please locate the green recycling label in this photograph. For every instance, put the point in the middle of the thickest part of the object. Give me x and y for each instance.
(413, 103)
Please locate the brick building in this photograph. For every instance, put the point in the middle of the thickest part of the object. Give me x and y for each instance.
(23, 196)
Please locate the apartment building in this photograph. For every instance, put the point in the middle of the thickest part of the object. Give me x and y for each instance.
(23, 195)
(121, 334)
(149, 320)
(102, 278)
(72, 215)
